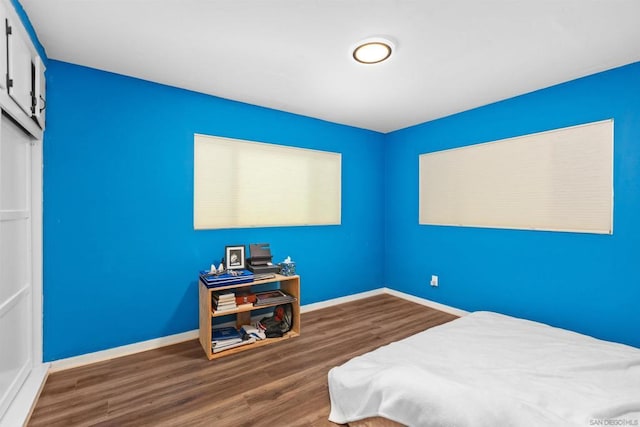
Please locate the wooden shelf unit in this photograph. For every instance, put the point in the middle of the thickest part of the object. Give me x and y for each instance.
(288, 284)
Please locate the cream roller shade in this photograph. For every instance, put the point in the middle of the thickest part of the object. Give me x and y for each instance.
(560, 180)
(251, 184)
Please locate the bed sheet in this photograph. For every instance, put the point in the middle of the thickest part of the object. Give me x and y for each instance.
(488, 369)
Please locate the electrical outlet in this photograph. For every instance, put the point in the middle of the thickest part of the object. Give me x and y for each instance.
(434, 280)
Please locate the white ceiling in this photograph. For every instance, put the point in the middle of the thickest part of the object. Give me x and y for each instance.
(295, 55)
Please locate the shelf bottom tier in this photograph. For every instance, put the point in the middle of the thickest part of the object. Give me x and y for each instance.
(262, 343)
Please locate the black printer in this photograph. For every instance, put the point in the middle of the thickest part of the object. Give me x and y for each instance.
(260, 260)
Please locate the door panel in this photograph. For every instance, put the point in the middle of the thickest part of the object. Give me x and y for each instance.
(14, 167)
(15, 358)
(19, 69)
(14, 254)
(40, 92)
(3, 48)
(16, 299)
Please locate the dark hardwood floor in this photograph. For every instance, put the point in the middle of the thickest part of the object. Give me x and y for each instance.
(284, 384)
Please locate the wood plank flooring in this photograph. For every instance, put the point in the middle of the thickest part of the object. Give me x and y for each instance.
(284, 384)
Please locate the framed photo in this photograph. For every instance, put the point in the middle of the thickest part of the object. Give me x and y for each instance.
(234, 257)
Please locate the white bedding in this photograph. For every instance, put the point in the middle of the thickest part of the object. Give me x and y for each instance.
(488, 369)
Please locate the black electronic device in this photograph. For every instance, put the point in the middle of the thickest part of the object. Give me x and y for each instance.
(260, 259)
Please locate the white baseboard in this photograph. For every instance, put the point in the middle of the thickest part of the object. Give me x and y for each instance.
(22, 405)
(426, 302)
(125, 350)
(341, 300)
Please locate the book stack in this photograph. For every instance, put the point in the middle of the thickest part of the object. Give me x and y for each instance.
(234, 277)
(273, 297)
(224, 301)
(227, 338)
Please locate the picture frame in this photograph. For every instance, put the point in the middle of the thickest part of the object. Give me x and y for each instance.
(234, 258)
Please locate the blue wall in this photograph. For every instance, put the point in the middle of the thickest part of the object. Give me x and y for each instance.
(587, 283)
(120, 253)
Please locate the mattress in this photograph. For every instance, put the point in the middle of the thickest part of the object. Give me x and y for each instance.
(488, 369)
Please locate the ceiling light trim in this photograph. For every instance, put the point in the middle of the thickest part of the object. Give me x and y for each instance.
(373, 50)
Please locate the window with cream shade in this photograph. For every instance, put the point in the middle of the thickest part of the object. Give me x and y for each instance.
(560, 180)
(241, 184)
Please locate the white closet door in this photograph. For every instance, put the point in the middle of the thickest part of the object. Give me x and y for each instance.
(3, 48)
(39, 108)
(19, 57)
(16, 306)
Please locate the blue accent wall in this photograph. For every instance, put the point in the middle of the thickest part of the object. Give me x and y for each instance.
(121, 256)
(584, 282)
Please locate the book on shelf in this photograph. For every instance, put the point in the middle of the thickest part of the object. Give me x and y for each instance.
(225, 333)
(227, 296)
(224, 301)
(263, 276)
(273, 297)
(226, 279)
(229, 306)
(218, 348)
(225, 304)
(230, 274)
(225, 343)
(245, 305)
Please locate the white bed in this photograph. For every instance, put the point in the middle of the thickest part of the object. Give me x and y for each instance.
(488, 369)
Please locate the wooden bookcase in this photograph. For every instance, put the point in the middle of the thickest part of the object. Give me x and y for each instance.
(288, 284)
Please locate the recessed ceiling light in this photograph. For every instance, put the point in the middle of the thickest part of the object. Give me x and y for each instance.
(373, 50)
